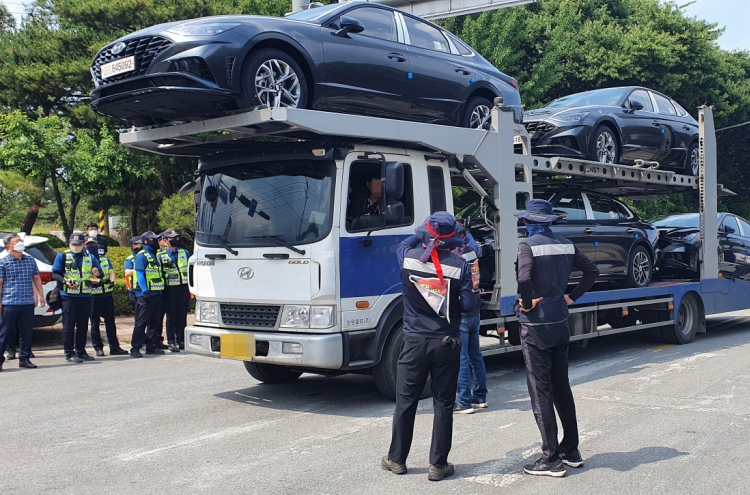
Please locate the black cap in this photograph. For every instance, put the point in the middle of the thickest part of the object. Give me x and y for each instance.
(136, 240)
(148, 235)
(169, 234)
(91, 240)
(77, 239)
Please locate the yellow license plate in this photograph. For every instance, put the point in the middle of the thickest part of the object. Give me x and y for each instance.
(238, 346)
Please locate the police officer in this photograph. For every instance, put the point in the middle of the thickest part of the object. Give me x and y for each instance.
(75, 270)
(92, 230)
(148, 296)
(131, 282)
(103, 304)
(174, 263)
(437, 288)
(163, 257)
(545, 261)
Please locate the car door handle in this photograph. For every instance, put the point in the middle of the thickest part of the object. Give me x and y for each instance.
(630, 231)
(657, 124)
(397, 57)
(588, 231)
(462, 71)
(685, 128)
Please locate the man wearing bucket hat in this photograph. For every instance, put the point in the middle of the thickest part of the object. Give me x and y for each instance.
(545, 261)
(437, 288)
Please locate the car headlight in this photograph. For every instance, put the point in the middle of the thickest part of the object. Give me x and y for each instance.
(691, 237)
(203, 28)
(321, 317)
(569, 116)
(296, 317)
(208, 312)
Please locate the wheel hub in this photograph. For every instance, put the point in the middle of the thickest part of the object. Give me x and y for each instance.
(277, 85)
(606, 148)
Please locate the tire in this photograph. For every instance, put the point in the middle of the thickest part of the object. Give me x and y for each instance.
(385, 371)
(692, 160)
(605, 148)
(689, 318)
(478, 113)
(271, 373)
(262, 70)
(514, 332)
(640, 268)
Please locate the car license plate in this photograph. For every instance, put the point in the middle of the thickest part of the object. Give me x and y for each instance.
(118, 67)
(517, 140)
(238, 346)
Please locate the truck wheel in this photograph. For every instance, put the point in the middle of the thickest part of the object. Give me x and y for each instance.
(271, 373)
(689, 317)
(514, 332)
(384, 372)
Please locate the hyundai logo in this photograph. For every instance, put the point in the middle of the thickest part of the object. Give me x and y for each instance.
(245, 273)
(118, 48)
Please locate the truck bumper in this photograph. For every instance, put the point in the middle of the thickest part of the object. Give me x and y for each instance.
(318, 351)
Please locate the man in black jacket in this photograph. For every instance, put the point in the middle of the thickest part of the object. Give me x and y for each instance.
(437, 288)
(545, 261)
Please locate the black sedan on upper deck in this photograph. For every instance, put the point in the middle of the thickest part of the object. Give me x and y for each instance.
(354, 57)
(616, 125)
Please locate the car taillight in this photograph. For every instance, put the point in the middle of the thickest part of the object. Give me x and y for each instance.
(46, 277)
(514, 83)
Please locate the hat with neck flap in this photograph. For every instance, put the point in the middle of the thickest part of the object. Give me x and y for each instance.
(440, 232)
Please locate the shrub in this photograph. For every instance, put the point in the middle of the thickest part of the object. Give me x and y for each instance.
(110, 241)
(55, 243)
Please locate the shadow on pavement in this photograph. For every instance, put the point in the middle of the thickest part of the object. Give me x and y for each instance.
(627, 461)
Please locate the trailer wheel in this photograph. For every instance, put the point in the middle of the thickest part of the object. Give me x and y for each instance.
(689, 316)
(385, 371)
(271, 373)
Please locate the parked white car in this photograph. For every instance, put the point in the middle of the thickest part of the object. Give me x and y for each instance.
(44, 255)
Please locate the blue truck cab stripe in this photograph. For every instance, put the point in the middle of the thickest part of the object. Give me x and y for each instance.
(369, 270)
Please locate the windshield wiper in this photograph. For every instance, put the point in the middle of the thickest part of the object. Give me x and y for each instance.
(222, 241)
(278, 241)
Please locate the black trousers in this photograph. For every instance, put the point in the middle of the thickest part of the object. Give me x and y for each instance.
(11, 339)
(549, 388)
(103, 307)
(418, 358)
(17, 318)
(176, 300)
(147, 312)
(76, 312)
(159, 322)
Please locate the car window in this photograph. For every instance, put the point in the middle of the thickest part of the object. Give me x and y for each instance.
(745, 227)
(572, 205)
(604, 208)
(680, 110)
(642, 97)
(462, 47)
(436, 183)
(610, 96)
(379, 23)
(425, 36)
(731, 222)
(363, 210)
(664, 106)
(43, 252)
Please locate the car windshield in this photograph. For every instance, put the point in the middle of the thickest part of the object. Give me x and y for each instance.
(314, 15)
(598, 97)
(43, 252)
(690, 220)
(265, 204)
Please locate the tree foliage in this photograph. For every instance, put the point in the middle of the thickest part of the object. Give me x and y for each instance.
(177, 212)
(16, 192)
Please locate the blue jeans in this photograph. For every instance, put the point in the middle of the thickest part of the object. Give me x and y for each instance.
(472, 365)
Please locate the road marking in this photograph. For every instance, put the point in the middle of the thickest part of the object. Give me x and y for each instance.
(662, 347)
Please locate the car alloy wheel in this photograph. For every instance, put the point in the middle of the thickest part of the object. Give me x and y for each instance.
(277, 85)
(641, 268)
(480, 118)
(606, 148)
(694, 160)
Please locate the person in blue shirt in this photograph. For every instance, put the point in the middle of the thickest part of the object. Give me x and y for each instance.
(148, 296)
(174, 263)
(103, 304)
(130, 281)
(76, 271)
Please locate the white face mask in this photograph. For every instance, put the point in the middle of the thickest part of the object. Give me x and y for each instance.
(93, 232)
(19, 247)
(76, 249)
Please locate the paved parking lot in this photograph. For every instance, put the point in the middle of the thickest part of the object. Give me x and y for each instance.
(654, 419)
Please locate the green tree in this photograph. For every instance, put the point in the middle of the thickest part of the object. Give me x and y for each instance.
(16, 193)
(178, 213)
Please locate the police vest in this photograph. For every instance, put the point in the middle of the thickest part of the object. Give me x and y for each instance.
(174, 275)
(553, 262)
(105, 287)
(81, 277)
(154, 279)
(132, 279)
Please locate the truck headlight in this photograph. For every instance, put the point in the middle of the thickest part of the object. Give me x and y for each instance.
(208, 312)
(321, 317)
(296, 317)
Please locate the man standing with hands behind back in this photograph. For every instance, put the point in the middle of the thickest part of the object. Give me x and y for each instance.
(20, 291)
(545, 261)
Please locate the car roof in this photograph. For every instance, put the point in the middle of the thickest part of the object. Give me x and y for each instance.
(28, 240)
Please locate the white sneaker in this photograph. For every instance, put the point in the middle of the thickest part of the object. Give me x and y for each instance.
(457, 409)
(479, 405)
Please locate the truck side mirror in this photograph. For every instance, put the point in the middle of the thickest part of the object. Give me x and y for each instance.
(394, 180)
(394, 213)
(349, 25)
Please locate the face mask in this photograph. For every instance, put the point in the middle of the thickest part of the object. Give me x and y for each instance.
(153, 245)
(174, 242)
(536, 228)
(76, 249)
(137, 249)
(19, 247)
(93, 232)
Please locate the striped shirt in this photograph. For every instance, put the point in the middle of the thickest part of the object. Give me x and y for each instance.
(17, 275)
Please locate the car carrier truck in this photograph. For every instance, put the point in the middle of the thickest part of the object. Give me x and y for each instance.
(294, 269)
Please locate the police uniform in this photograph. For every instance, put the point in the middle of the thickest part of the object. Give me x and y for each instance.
(174, 264)
(73, 272)
(148, 297)
(103, 306)
(431, 344)
(545, 261)
(131, 281)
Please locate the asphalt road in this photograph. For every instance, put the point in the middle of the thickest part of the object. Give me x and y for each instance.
(653, 419)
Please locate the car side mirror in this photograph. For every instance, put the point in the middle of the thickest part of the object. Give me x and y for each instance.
(394, 213)
(394, 180)
(563, 216)
(635, 105)
(349, 25)
(729, 230)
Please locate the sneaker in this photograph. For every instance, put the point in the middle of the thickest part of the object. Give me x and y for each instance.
(135, 353)
(118, 352)
(99, 352)
(543, 468)
(572, 459)
(11, 355)
(391, 466)
(459, 409)
(174, 348)
(154, 351)
(86, 357)
(438, 473)
(73, 359)
(479, 405)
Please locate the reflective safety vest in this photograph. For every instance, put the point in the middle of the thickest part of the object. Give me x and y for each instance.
(105, 287)
(132, 279)
(73, 275)
(154, 280)
(174, 275)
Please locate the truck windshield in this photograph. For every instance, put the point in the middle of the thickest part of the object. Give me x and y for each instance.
(263, 204)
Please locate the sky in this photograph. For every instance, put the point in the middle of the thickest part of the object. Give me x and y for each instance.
(733, 15)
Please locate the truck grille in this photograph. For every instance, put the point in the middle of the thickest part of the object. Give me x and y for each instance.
(144, 49)
(249, 315)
